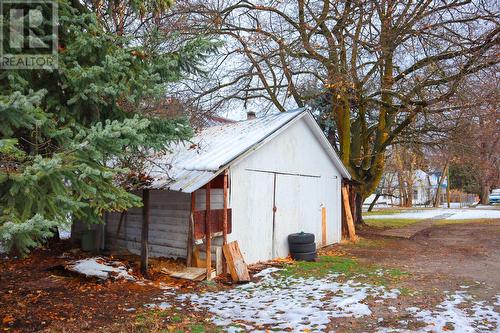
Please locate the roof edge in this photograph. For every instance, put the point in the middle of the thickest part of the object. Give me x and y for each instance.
(313, 125)
(301, 112)
(327, 146)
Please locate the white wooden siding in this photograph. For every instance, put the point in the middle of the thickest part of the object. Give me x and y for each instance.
(252, 208)
(298, 208)
(289, 157)
(299, 199)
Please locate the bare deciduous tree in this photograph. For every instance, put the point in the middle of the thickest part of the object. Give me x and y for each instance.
(369, 68)
(477, 143)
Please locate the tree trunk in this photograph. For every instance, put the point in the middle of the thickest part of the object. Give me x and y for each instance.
(485, 194)
(402, 196)
(448, 185)
(374, 202)
(437, 199)
(409, 194)
(54, 239)
(359, 209)
(145, 232)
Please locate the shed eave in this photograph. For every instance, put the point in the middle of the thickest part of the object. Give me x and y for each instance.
(327, 146)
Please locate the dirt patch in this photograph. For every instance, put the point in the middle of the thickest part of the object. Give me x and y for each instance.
(38, 295)
(450, 253)
(35, 295)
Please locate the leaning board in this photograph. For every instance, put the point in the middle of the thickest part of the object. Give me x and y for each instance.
(236, 263)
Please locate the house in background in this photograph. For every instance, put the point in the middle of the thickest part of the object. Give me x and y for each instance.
(424, 189)
(266, 178)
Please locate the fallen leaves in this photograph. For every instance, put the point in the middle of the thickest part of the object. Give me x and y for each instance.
(8, 320)
(34, 296)
(332, 252)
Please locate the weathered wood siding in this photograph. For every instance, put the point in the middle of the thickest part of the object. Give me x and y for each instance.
(168, 229)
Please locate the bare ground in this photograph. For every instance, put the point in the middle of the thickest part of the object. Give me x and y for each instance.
(460, 251)
(34, 297)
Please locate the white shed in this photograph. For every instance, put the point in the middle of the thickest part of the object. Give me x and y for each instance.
(283, 175)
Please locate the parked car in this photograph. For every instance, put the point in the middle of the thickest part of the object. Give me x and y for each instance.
(494, 197)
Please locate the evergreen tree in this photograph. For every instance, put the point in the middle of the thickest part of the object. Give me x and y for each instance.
(68, 135)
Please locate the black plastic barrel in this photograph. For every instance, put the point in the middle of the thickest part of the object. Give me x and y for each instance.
(302, 246)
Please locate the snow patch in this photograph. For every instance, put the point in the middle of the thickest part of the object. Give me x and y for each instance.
(456, 214)
(100, 268)
(293, 304)
(475, 214)
(64, 234)
(267, 271)
(457, 313)
(392, 308)
(159, 306)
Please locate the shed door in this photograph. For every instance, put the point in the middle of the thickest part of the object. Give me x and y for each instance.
(331, 203)
(254, 215)
(298, 202)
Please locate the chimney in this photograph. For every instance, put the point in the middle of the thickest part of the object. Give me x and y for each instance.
(251, 115)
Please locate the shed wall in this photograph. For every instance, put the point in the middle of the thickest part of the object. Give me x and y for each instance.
(168, 229)
(298, 199)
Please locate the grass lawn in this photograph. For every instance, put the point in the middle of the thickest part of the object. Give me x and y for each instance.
(332, 279)
(452, 221)
(170, 321)
(383, 212)
(391, 223)
(349, 267)
(399, 223)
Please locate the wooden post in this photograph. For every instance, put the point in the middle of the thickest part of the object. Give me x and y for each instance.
(224, 215)
(323, 226)
(347, 209)
(190, 241)
(208, 233)
(145, 232)
(224, 218)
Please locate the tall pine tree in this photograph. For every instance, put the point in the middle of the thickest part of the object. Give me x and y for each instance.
(65, 133)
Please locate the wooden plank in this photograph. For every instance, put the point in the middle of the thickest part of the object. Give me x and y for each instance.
(189, 273)
(208, 234)
(218, 260)
(197, 261)
(145, 232)
(154, 250)
(216, 220)
(323, 226)
(224, 221)
(122, 216)
(224, 209)
(237, 266)
(347, 209)
(190, 239)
